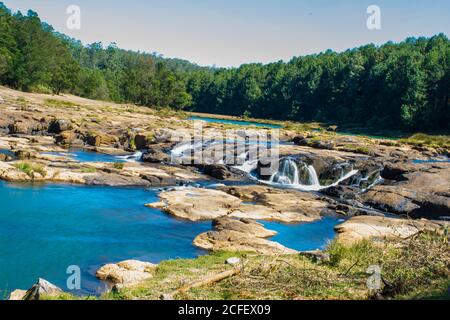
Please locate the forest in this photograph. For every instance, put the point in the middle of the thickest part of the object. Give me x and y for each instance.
(404, 85)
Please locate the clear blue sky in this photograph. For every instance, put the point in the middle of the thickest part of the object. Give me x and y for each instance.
(232, 32)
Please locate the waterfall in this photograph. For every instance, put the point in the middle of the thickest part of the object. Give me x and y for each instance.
(287, 173)
(313, 178)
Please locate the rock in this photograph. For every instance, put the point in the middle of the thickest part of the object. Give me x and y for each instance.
(286, 205)
(239, 235)
(126, 273)
(11, 174)
(66, 138)
(40, 289)
(142, 141)
(300, 141)
(197, 204)
(249, 227)
(370, 227)
(317, 256)
(19, 127)
(233, 261)
(115, 180)
(25, 154)
(97, 140)
(5, 157)
(155, 155)
(59, 125)
(17, 295)
(396, 171)
(222, 172)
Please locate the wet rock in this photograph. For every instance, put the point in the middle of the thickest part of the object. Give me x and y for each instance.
(40, 289)
(396, 171)
(222, 172)
(143, 141)
(126, 273)
(370, 227)
(155, 155)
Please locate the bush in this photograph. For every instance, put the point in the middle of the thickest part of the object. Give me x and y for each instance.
(31, 168)
(118, 165)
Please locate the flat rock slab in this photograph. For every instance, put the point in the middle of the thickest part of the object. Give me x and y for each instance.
(371, 227)
(240, 236)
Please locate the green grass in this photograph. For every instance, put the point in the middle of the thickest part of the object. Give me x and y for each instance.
(89, 170)
(417, 268)
(31, 168)
(59, 103)
(119, 165)
(424, 140)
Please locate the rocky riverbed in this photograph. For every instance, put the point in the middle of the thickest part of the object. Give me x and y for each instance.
(376, 185)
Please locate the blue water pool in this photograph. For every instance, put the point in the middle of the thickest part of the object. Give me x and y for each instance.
(44, 229)
(305, 236)
(237, 122)
(82, 155)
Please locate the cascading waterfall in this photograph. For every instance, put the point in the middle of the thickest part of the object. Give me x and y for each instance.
(302, 176)
(287, 173)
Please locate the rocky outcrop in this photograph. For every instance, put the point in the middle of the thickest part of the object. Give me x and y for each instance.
(197, 204)
(419, 191)
(382, 228)
(60, 125)
(240, 236)
(126, 273)
(286, 205)
(41, 289)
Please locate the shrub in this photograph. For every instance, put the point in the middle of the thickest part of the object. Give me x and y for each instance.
(118, 165)
(31, 168)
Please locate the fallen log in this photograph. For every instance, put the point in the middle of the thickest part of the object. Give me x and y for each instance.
(202, 282)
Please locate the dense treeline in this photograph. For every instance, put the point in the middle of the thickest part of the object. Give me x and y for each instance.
(401, 86)
(33, 57)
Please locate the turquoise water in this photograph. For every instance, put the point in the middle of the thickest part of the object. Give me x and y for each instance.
(89, 156)
(44, 229)
(435, 160)
(305, 236)
(237, 122)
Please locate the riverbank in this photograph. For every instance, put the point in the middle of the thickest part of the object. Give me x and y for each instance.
(413, 269)
(325, 186)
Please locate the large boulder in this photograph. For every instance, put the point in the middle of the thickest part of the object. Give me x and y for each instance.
(126, 273)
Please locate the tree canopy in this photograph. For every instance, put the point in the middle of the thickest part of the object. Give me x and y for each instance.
(404, 85)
